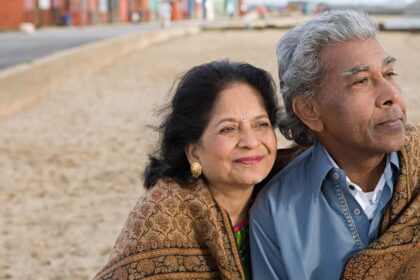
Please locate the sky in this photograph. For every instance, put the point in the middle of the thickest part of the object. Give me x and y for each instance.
(357, 2)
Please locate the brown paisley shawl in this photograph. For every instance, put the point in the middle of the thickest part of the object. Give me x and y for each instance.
(175, 232)
(396, 253)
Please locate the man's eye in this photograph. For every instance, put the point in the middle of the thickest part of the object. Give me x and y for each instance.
(390, 74)
(361, 81)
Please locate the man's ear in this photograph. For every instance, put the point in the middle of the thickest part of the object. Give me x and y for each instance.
(191, 152)
(307, 110)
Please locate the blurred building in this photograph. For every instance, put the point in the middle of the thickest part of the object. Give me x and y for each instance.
(300, 7)
(142, 10)
(67, 12)
(413, 9)
(83, 12)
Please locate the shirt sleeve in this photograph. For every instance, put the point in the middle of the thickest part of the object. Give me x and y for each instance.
(266, 258)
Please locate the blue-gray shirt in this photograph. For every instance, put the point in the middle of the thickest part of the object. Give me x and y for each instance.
(306, 224)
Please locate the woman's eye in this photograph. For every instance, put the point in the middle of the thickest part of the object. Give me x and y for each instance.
(228, 129)
(263, 124)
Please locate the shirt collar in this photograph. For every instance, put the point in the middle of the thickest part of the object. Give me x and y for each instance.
(392, 170)
(394, 160)
(320, 165)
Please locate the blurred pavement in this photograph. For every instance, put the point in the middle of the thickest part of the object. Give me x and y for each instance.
(18, 47)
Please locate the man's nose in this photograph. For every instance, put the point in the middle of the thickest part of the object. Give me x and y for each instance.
(389, 93)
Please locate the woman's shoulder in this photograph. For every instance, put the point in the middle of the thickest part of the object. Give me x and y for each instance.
(165, 213)
(168, 190)
(170, 200)
(166, 217)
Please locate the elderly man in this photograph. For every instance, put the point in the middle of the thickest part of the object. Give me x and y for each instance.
(357, 185)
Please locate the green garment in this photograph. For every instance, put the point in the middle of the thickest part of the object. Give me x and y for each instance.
(242, 239)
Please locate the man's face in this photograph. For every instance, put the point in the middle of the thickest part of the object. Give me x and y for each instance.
(360, 104)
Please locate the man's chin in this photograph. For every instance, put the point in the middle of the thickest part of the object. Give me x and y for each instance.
(392, 141)
(393, 146)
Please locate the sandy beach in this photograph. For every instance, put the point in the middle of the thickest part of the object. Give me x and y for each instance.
(71, 164)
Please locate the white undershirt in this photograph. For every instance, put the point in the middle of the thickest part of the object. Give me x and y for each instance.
(367, 200)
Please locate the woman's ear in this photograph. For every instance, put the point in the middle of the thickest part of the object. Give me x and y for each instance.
(191, 152)
(307, 110)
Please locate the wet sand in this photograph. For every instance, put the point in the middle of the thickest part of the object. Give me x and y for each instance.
(70, 165)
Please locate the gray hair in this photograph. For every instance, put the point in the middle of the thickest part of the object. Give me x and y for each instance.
(299, 66)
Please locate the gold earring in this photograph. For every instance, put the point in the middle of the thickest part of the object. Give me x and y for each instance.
(196, 169)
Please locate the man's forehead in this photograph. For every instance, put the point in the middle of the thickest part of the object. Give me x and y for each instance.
(351, 54)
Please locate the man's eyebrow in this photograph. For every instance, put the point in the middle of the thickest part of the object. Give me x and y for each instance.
(355, 70)
(389, 59)
(363, 68)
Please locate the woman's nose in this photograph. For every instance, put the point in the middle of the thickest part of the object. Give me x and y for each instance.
(248, 138)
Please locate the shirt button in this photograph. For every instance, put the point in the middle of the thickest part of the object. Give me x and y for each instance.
(336, 176)
(357, 211)
(352, 187)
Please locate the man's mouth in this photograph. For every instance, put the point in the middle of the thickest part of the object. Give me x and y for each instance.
(392, 122)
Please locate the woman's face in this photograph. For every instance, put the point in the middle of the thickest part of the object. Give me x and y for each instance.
(238, 147)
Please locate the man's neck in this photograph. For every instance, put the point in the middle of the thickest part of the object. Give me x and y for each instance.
(361, 168)
(368, 177)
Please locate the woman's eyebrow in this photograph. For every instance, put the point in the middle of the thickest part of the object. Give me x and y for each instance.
(231, 119)
(228, 119)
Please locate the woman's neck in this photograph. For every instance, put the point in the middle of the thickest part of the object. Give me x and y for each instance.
(235, 200)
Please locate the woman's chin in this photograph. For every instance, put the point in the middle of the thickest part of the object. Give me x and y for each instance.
(250, 182)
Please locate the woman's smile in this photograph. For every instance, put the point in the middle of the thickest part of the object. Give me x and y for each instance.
(252, 160)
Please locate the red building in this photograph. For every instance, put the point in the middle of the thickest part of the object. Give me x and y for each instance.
(13, 13)
(74, 12)
(141, 8)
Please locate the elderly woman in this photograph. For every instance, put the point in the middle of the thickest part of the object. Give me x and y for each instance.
(217, 142)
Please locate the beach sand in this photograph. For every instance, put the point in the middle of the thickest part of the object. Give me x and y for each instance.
(71, 165)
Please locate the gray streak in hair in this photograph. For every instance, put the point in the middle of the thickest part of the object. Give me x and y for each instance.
(299, 66)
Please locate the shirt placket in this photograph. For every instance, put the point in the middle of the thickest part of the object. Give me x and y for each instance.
(346, 210)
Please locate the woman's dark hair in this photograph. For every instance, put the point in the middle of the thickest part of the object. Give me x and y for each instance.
(190, 110)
